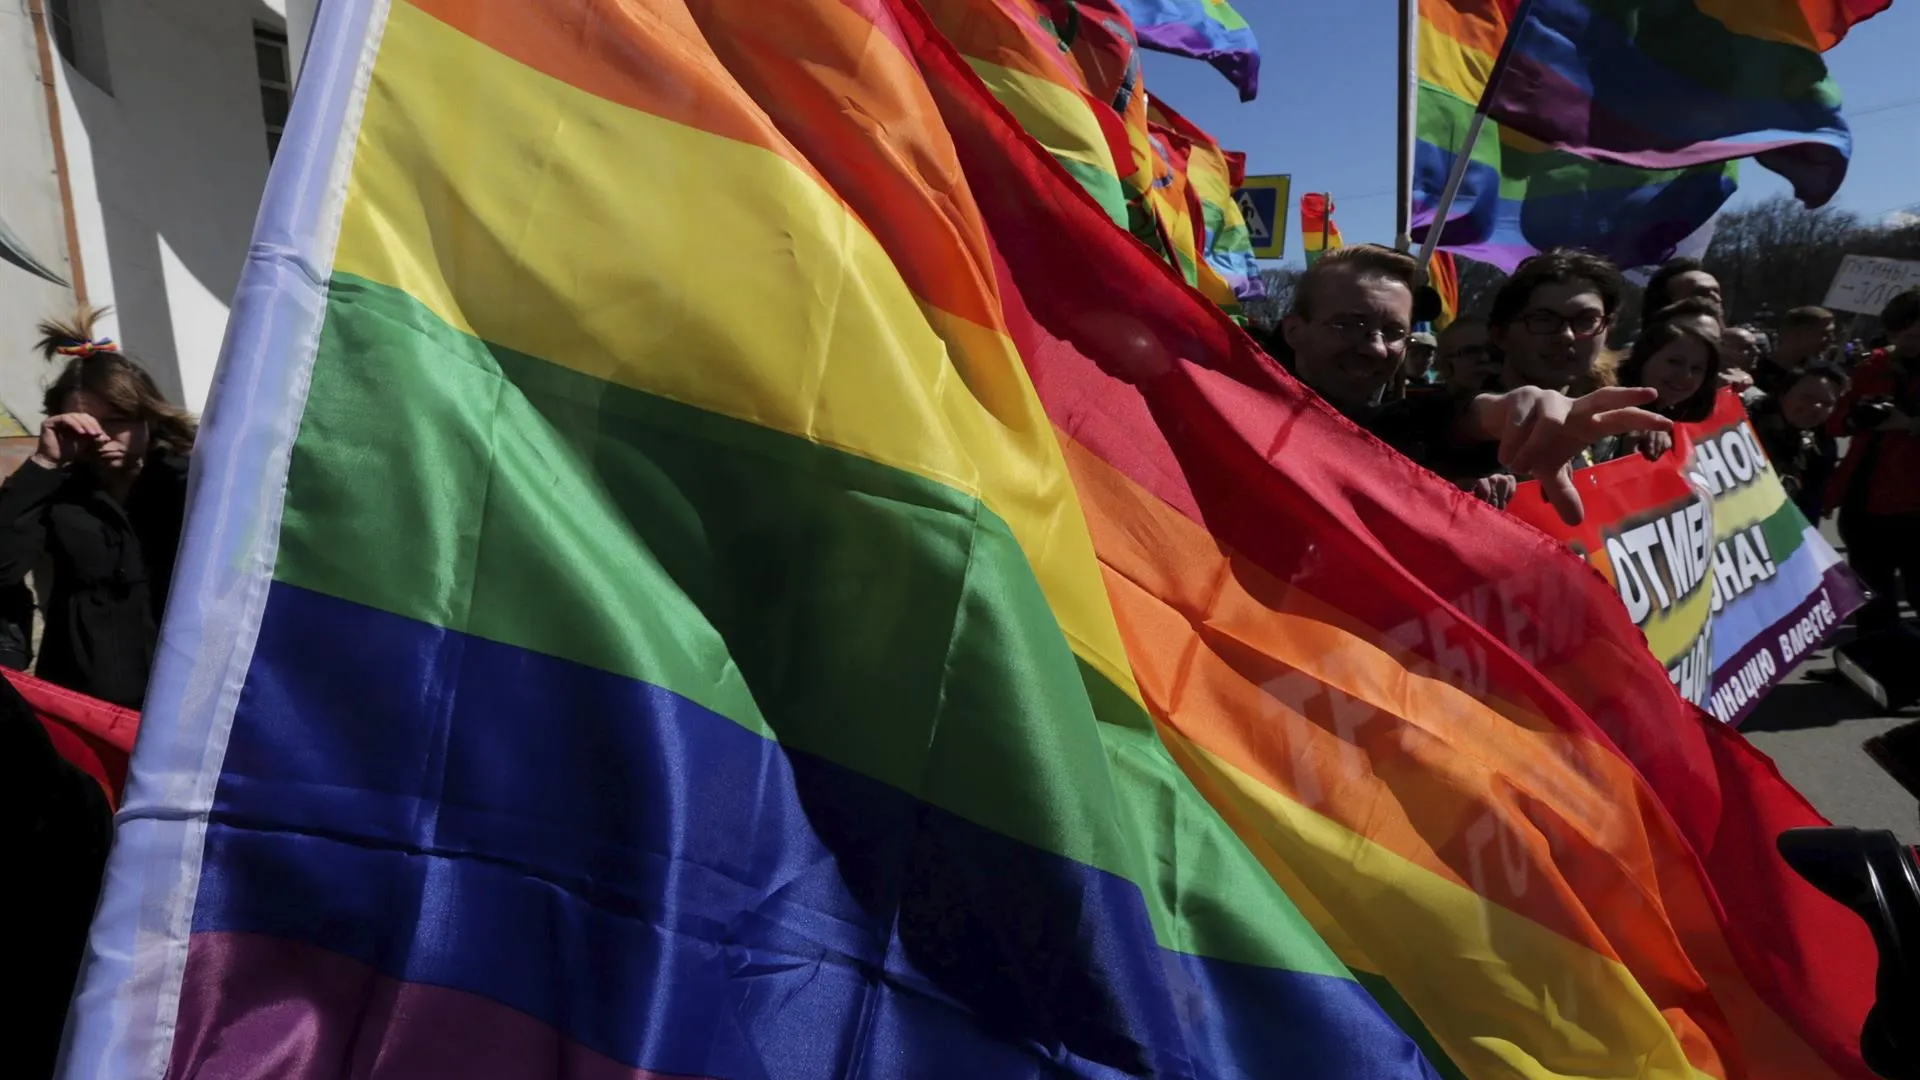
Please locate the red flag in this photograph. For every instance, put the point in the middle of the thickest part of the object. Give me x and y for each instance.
(94, 736)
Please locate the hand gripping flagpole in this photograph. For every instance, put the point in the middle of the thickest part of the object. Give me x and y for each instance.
(1464, 156)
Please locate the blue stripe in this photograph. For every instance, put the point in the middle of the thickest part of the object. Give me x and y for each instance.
(677, 893)
(1633, 226)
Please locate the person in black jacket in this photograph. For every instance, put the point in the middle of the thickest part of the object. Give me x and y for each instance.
(103, 496)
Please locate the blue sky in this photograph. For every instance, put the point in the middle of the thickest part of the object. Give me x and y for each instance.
(1326, 108)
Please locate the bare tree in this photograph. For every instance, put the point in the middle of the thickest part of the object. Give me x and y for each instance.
(1265, 313)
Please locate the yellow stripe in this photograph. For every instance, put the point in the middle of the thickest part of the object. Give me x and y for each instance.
(1759, 501)
(1058, 118)
(1451, 66)
(649, 254)
(1503, 995)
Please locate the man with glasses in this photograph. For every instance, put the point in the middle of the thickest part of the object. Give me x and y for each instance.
(1550, 320)
(1351, 319)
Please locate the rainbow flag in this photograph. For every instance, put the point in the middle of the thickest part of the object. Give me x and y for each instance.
(1444, 276)
(1209, 30)
(1318, 233)
(1021, 53)
(1520, 195)
(1685, 82)
(980, 661)
(1212, 175)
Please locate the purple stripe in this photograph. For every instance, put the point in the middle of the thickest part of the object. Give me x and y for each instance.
(1633, 226)
(253, 1005)
(1232, 53)
(1839, 588)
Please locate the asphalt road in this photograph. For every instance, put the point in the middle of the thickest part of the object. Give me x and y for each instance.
(1812, 728)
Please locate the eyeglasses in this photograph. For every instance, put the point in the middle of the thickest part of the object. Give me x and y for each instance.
(1584, 325)
(1360, 332)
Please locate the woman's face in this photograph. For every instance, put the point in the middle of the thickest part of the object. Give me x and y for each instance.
(126, 436)
(1677, 370)
(1808, 403)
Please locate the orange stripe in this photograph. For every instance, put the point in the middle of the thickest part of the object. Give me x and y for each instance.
(1554, 827)
(1477, 24)
(784, 78)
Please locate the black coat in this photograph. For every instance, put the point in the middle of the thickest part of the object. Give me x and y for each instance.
(111, 568)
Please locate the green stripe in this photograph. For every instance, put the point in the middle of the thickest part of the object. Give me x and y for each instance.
(1685, 40)
(851, 610)
(1525, 174)
(1102, 185)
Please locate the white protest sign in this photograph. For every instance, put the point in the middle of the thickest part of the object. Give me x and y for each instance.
(1865, 284)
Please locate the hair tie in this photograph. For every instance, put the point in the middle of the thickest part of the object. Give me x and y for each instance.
(87, 348)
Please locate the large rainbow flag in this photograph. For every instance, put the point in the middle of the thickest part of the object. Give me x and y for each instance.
(926, 640)
(1667, 83)
(1210, 30)
(1521, 195)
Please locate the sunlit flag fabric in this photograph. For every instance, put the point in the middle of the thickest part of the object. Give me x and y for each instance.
(1021, 53)
(1212, 175)
(1210, 30)
(926, 640)
(1520, 195)
(1318, 233)
(1668, 83)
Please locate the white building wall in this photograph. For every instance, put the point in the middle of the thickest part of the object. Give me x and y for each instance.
(30, 205)
(166, 173)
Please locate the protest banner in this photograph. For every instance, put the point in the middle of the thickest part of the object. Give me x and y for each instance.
(1728, 580)
(1865, 284)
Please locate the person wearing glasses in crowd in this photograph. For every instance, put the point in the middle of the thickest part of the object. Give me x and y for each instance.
(1348, 329)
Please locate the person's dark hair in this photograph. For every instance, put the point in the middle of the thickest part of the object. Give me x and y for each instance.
(1901, 312)
(1659, 336)
(96, 365)
(1660, 285)
(1832, 373)
(1556, 267)
(1806, 316)
(1361, 260)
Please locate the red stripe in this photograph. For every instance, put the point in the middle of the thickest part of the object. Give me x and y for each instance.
(1211, 426)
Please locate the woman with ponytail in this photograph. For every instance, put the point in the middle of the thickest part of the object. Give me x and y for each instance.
(102, 498)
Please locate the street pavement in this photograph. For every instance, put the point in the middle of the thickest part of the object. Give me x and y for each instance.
(1813, 729)
(1813, 725)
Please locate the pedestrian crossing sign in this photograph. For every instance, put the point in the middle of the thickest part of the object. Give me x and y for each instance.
(1263, 201)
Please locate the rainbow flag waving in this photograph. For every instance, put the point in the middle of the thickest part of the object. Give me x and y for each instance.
(1667, 83)
(1210, 30)
(928, 642)
(1318, 233)
(1444, 276)
(1520, 195)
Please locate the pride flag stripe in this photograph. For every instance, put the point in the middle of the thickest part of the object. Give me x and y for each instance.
(1239, 670)
(958, 412)
(847, 879)
(857, 700)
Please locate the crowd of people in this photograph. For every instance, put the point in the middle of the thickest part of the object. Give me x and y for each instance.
(1532, 390)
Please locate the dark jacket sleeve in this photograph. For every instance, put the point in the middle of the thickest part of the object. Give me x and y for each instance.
(23, 529)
